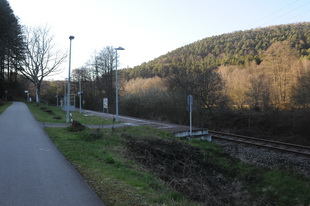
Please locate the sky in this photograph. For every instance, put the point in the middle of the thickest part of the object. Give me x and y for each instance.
(148, 29)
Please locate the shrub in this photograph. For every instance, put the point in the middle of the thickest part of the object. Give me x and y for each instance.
(109, 160)
(76, 127)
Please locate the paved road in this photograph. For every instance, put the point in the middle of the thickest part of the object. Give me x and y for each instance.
(32, 170)
(169, 127)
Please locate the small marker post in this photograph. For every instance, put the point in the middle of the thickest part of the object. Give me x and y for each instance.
(190, 109)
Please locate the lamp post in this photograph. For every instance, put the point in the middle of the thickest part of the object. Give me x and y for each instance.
(65, 94)
(80, 92)
(116, 86)
(68, 98)
(57, 96)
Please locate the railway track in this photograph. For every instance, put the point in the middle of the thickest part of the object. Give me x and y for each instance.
(270, 144)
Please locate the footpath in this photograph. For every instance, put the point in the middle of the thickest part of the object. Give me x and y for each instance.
(32, 170)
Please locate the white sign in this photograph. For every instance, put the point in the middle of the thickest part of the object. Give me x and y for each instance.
(105, 103)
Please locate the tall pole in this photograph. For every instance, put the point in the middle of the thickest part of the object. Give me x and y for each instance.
(116, 86)
(68, 98)
(57, 96)
(116, 91)
(65, 94)
(80, 88)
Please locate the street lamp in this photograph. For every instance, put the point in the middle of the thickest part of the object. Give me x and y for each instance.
(68, 101)
(57, 96)
(80, 90)
(116, 86)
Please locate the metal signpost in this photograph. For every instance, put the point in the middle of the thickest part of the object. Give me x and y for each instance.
(190, 110)
(105, 104)
(80, 102)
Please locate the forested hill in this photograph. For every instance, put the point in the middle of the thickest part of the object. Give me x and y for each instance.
(235, 48)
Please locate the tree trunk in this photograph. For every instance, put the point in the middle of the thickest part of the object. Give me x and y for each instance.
(38, 88)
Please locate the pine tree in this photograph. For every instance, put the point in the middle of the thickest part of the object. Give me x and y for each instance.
(11, 47)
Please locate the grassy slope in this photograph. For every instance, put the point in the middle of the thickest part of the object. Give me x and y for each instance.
(43, 116)
(4, 106)
(119, 180)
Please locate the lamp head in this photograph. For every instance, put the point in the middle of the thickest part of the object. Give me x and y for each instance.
(71, 37)
(119, 48)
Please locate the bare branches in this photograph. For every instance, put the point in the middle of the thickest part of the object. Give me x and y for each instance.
(42, 58)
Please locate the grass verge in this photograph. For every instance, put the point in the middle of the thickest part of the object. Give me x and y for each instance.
(4, 106)
(53, 114)
(119, 179)
(104, 164)
(268, 187)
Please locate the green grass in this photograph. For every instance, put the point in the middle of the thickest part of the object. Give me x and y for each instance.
(43, 116)
(105, 164)
(4, 106)
(284, 188)
(117, 179)
(277, 187)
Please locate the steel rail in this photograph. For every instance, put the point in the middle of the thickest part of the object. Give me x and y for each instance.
(262, 143)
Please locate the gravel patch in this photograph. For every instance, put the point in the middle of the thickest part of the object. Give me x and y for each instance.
(263, 157)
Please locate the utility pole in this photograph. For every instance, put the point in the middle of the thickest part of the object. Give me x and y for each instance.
(80, 89)
(57, 96)
(69, 91)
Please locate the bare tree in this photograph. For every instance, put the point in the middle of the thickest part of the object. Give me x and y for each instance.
(279, 60)
(236, 83)
(106, 59)
(301, 96)
(41, 58)
(204, 83)
(258, 93)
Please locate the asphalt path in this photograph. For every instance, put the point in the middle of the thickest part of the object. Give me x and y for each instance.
(32, 170)
(132, 121)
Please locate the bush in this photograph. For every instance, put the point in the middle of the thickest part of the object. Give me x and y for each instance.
(109, 160)
(76, 127)
(152, 103)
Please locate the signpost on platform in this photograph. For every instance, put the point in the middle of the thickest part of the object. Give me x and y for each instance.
(190, 110)
(105, 104)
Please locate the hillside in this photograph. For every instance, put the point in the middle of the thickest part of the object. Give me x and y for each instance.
(253, 82)
(237, 48)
